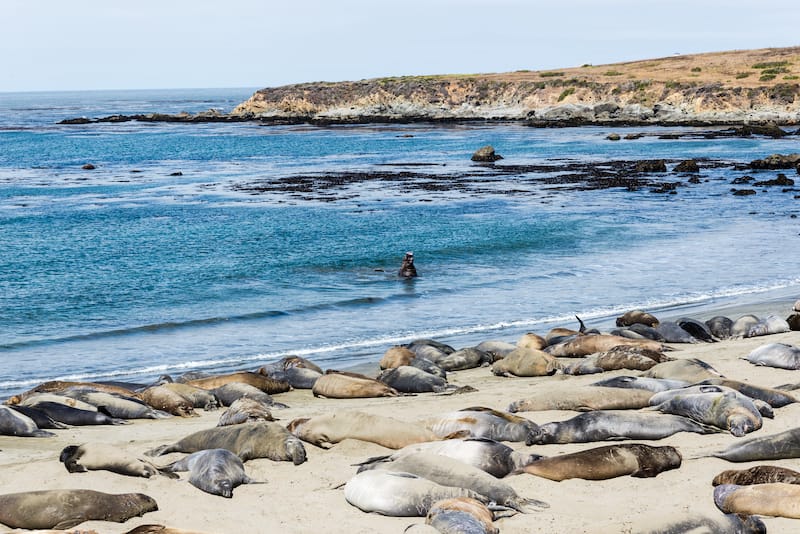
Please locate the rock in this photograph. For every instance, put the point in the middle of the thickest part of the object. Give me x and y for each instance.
(742, 192)
(88, 167)
(769, 129)
(742, 180)
(655, 165)
(631, 137)
(694, 180)
(776, 161)
(688, 165)
(613, 137)
(780, 180)
(77, 120)
(486, 154)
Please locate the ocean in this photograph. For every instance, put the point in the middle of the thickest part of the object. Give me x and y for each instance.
(220, 246)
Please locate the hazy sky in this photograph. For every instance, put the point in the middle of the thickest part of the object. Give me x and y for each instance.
(111, 44)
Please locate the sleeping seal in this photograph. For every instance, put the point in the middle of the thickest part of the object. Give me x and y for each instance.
(640, 382)
(399, 494)
(673, 333)
(779, 355)
(760, 474)
(168, 400)
(529, 340)
(76, 416)
(247, 440)
(526, 362)
(262, 382)
(461, 515)
(637, 316)
(690, 370)
(742, 325)
(728, 410)
(62, 509)
(344, 385)
(775, 499)
(583, 345)
(585, 398)
(700, 524)
(774, 397)
(13, 423)
(775, 447)
(114, 404)
(466, 358)
(229, 393)
(215, 471)
(450, 472)
(328, 429)
(407, 379)
(606, 462)
(604, 425)
(396, 356)
(720, 326)
(771, 324)
(245, 410)
(101, 456)
(483, 422)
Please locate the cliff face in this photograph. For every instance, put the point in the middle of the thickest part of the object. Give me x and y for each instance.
(726, 87)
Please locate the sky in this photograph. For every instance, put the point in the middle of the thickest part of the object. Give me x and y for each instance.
(50, 45)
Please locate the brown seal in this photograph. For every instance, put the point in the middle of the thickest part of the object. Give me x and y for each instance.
(101, 456)
(583, 345)
(61, 509)
(691, 370)
(583, 399)
(331, 428)
(610, 461)
(637, 317)
(529, 340)
(526, 362)
(262, 382)
(760, 474)
(55, 386)
(461, 514)
(776, 499)
(407, 269)
(396, 357)
(245, 410)
(163, 398)
(199, 397)
(344, 385)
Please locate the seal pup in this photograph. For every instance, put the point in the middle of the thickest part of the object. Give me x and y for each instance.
(100, 456)
(215, 471)
(62, 509)
(728, 410)
(585, 398)
(450, 472)
(245, 410)
(610, 461)
(637, 316)
(691, 370)
(407, 379)
(461, 515)
(481, 422)
(654, 385)
(488, 455)
(247, 440)
(779, 355)
(407, 269)
(778, 446)
(774, 499)
(720, 326)
(771, 324)
(760, 474)
(399, 494)
(602, 425)
(345, 385)
(13, 423)
(526, 362)
(328, 429)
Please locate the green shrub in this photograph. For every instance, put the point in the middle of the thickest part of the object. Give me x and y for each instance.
(740, 75)
(613, 73)
(696, 69)
(551, 74)
(565, 93)
(770, 64)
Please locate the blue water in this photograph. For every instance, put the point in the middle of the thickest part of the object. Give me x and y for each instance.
(129, 271)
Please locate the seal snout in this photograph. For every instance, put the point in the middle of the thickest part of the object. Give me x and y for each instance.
(721, 494)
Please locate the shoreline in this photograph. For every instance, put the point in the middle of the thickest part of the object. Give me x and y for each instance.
(303, 498)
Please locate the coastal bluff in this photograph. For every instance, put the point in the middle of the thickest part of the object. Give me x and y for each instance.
(747, 86)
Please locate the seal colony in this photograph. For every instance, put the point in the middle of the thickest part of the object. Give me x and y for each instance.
(433, 460)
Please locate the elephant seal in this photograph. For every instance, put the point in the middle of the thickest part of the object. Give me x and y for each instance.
(583, 399)
(168, 400)
(701, 524)
(428, 366)
(774, 397)
(690, 370)
(481, 422)
(775, 499)
(728, 410)
(40, 419)
(637, 316)
(55, 386)
(771, 324)
(583, 345)
(526, 362)
(778, 446)
(13, 423)
(198, 397)
(449, 472)
(262, 382)
(344, 385)
(529, 340)
(794, 322)
(760, 474)
(407, 379)
(407, 269)
(299, 372)
(399, 494)
(116, 405)
(619, 357)
(328, 429)
(720, 326)
(488, 455)
(62, 509)
(100, 456)
(247, 440)
(397, 356)
(654, 385)
(76, 416)
(245, 410)
(602, 425)
(673, 333)
(466, 358)
(215, 471)
(697, 329)
(742, 325)
(232, 391)
(461, 515)
(57, 398)
(779, 355)
(607, 462)
(497, 348)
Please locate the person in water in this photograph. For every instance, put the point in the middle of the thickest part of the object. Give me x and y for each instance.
(407, 269)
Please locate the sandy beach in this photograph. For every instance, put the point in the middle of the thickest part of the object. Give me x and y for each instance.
(304, 498)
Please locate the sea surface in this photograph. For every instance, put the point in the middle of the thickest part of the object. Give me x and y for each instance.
(179, 251)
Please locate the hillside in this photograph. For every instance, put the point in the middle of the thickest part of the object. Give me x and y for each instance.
(756, 86)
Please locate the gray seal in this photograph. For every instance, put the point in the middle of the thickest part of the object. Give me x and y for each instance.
(728, 410)
(13, 423)
(76, 416)
(467, 358)
(779, 355)
(215, 471)
(716, 524)
(101, 456)
(742, 325)
(408, 379)
(771, 324)
(62, 509)
(691, 370)
(778, 446)
(229, 393)
(772, 396)
(673, 333)
(247, 440)
(483, 422)
(40, 419)
(655, 385)
(461, 516)
(611, 461)
(602, 425)
(697, 329)
(720, 326)
(115, 404)
(245, 410)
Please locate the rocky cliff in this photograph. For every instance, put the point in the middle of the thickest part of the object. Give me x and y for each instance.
(755, 86)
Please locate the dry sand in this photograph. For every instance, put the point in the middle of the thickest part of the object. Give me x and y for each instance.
(303, 499)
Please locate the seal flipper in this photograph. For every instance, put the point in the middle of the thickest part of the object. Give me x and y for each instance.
(526, 506)
(159, 451)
